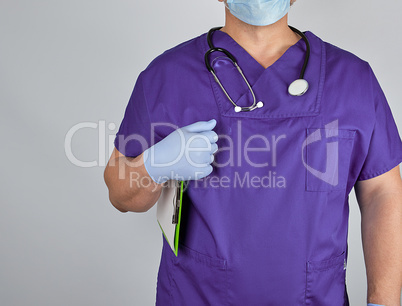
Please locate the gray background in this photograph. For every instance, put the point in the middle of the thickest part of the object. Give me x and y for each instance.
(66, 62)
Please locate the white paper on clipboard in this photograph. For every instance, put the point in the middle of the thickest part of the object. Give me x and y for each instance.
(165, 210)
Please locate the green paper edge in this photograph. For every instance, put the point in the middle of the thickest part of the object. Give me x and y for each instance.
(177, 230)
(163, 233)
(176, 237)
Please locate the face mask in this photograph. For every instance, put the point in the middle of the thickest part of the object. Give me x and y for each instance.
(258, 12)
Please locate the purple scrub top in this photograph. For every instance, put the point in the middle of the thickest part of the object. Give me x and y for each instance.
(269, 225)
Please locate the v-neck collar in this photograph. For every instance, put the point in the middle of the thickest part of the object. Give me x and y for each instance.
(269, 84)
(227, 39)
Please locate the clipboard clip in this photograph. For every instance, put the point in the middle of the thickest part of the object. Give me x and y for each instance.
(176, 204)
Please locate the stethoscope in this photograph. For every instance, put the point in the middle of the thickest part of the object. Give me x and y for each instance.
(298, 88)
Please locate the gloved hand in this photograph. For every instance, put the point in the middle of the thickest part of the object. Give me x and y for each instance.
(185, 154)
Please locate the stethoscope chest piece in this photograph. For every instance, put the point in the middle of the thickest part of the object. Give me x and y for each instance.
(298, 87)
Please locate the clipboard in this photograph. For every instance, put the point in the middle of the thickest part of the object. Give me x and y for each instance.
(168, 212)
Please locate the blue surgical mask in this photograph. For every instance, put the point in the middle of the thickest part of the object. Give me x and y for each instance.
(258, 12)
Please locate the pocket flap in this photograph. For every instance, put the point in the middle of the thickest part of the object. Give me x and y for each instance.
(323, 265)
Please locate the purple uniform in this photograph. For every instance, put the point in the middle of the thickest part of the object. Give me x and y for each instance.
(269, 225)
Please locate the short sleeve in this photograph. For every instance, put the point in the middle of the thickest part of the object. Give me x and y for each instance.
(134, 135)
(385, 147)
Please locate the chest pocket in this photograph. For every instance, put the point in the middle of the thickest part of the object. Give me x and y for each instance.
(326, 157)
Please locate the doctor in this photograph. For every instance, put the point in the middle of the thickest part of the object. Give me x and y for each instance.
(265, 214)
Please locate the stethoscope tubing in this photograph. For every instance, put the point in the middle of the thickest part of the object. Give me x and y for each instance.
(255, 105)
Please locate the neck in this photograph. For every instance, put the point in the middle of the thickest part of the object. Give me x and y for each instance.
(265, 43)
